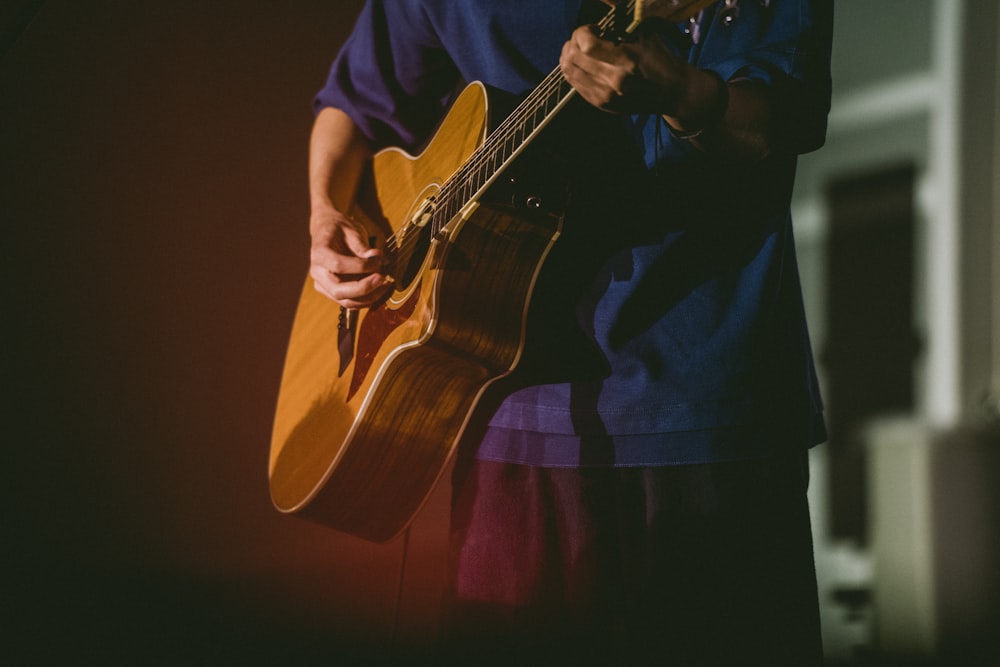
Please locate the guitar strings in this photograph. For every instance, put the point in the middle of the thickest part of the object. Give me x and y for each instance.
(530, 105)
(463, 181)
(462, 186)
(539, 97)
(505, 131)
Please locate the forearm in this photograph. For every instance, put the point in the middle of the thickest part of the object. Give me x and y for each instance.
(337, 153)
(343, 264)
(734, 123)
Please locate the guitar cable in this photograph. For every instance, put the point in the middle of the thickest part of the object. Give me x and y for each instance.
(393, 637)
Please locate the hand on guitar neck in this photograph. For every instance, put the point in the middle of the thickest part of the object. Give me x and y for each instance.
(643, 75)
(638, 76)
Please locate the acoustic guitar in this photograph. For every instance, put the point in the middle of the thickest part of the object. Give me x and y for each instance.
(372, 403)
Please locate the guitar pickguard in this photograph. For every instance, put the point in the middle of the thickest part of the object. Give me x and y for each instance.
(374, 330)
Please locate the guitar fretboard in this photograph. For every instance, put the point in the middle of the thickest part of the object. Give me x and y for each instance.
(511, 137)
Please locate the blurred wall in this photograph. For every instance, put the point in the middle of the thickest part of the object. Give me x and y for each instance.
(916, 88)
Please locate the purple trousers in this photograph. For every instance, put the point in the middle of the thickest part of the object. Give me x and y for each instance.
(677, 565)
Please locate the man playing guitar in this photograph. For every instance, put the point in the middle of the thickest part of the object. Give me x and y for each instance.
(640, 490)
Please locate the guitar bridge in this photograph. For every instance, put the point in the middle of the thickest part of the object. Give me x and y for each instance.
(347, 327)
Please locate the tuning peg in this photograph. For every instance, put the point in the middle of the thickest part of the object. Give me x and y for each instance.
(730, 12)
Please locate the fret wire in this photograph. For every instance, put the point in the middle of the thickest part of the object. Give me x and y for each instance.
(506, 135)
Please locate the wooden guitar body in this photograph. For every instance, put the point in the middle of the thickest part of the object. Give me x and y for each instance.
(359, 447)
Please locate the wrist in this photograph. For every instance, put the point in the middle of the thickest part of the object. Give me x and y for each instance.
(704, 107)
(322, 207)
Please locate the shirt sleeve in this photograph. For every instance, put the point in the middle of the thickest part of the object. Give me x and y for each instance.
(391, 76)
(784, 45)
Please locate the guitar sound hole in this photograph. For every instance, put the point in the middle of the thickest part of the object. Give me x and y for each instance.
(410, 257)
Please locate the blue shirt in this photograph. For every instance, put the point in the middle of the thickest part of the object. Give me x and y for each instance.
(689, 341)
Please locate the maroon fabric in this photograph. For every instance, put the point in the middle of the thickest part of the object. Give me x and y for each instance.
(688, 565)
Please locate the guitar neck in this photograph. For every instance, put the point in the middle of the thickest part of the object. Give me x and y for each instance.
(511, 137)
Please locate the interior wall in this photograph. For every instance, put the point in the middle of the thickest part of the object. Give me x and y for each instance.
(979, 135)
(916, 83)
(155, 213)
(882, 118)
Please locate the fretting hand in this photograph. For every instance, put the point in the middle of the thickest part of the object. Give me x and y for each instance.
(641, 75)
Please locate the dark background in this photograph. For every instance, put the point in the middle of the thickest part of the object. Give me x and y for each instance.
(155, 211)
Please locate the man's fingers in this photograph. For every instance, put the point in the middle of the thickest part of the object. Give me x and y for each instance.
(598, 69)
(350, 292)
(358, 242)
(346, 265)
